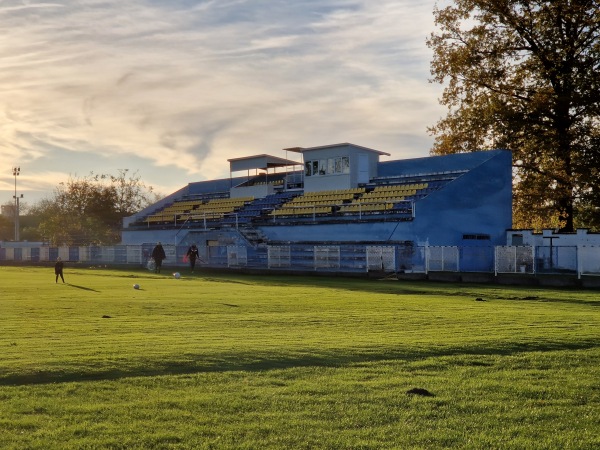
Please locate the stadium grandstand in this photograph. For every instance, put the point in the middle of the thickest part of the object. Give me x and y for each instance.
(334, 197)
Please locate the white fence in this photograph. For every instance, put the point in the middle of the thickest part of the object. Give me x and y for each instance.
(577, 260)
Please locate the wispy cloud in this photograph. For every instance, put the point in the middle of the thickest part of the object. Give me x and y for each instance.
(178, 87)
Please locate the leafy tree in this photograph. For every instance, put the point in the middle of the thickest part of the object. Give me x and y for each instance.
(7, 220)
(7, 228)
(90, 210)
(523, 75)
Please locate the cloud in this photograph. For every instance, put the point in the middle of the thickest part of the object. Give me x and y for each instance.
(179, 87)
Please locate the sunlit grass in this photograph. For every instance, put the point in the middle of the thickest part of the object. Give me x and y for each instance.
(240, 361)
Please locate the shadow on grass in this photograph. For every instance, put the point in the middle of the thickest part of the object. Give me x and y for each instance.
(197, 364)
(82, 287)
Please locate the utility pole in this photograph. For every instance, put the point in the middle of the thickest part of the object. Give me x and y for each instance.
(16, 172)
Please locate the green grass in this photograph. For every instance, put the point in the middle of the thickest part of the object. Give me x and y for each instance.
(248, 362)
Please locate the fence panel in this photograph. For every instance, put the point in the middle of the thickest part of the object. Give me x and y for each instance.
(556, 259)
(279, 256)
(589, 260)
(327, 257)
(134, 254)
(381, 258)
(258, 257)
(476, 259)
(303, 257)
(9, 254)
(353, 258)
(35, 254)
(84, 254)
(63, 253)
(237, 256)
(103, 254)
(26, 254)
(514, 259)
(217, 255)
(442, 259)
(410, 258)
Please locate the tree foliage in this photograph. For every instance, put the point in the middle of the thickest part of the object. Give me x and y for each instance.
(523, 75)
(90, 210)
(7, 228)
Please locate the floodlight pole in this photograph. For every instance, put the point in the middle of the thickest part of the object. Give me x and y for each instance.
(16, 172)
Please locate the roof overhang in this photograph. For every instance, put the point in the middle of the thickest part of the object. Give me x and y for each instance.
(263, 162)
(343, 144)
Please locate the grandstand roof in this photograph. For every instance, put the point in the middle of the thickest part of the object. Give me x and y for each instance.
(343, 144)
(259, 162)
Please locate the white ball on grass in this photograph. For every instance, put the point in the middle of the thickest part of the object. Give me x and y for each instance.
(177, 275)
(136, 286)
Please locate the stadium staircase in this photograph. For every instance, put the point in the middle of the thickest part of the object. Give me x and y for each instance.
(254, 237)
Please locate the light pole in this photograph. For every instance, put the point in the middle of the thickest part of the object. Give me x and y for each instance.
(16, 172)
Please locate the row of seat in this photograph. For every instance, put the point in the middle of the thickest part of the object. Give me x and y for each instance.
(303, 211)
(332, 198)
(367, 207)
(308, 203)
(321, 199)
(335, 192)
(396, 187)
(382, 200)
(194, 210)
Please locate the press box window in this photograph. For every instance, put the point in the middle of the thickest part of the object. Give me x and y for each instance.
(330, 166)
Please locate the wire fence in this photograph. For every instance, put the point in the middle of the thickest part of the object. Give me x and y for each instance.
(402, 258)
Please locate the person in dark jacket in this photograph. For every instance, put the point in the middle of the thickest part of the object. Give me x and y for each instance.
(58, 270)
(192, 255)
(158, 255)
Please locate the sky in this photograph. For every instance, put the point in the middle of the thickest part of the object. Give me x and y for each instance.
(171, 89)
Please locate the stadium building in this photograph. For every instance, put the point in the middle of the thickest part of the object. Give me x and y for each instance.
(334, 205)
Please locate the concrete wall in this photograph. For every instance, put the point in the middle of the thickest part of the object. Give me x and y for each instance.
(546, 237)
(478, 202)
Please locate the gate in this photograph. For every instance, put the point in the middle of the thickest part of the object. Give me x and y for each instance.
(382, 259)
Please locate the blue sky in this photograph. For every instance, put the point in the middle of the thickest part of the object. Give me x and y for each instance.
(172, 89)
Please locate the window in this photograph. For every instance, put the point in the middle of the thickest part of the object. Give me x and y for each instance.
(338, 165)
(476, 237)
(345, 164)
(330, 166)
(517, 239)
(308, 168)
(323, 167)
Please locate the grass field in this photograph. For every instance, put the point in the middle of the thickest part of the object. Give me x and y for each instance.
(248, 362)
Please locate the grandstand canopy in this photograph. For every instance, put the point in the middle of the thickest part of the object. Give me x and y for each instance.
(263, 162)
(343, 144)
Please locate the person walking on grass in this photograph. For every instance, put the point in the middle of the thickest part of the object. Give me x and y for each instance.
(192, 255)
(58, 270)
(158, 254)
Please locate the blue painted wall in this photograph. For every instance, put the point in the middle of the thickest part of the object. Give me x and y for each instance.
(478, 202)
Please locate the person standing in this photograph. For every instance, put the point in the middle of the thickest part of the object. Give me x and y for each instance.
(158, 255)
(58, 270)
(192, 255)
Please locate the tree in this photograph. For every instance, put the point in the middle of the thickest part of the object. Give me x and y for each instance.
(7, 229)
(90, 210)
(523, 75)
